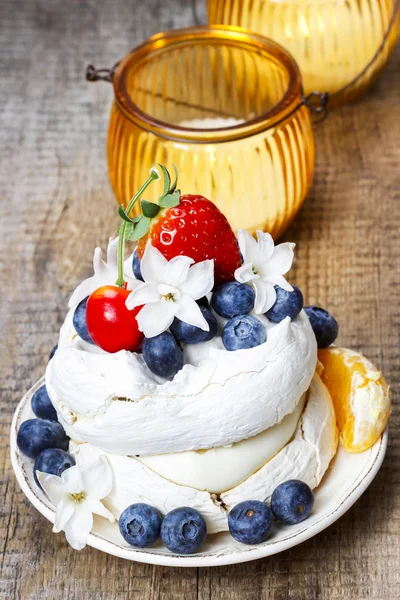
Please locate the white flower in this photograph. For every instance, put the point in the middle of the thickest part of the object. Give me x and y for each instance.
(170, 290)
(76, 495)
(264, 265)
(105, 273)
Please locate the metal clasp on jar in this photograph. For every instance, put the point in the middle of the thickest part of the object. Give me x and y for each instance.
(93, 74)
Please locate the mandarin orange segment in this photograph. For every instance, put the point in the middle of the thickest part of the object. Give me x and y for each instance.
(360, 396)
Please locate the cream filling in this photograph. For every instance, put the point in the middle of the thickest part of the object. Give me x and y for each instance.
(219, 469)
(305, 457)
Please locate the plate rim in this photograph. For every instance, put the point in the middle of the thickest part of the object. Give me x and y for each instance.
(249, 553)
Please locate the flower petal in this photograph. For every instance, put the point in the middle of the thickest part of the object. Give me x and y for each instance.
(53, 485)
(280, 262)
(156, 317)
(84, 289)
(105, 273)
(176, 271)
(265, 246)
(153, 264)
(245, 273)
(281, 281)
(189, 312)
(248, 246)
(265, 296)
(98, 478)
(64, 511)
(112, 251)
(72, 480)
(79, 526)
(98, 508)
(144, 293)
(199, 280)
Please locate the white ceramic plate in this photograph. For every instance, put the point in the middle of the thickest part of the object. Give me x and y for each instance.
(347, 478)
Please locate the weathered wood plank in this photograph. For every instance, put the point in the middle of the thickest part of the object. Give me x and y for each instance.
(56, 204)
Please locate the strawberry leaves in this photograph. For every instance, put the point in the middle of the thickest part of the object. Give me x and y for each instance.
(137, 227)
(149, 209)
(170, 200)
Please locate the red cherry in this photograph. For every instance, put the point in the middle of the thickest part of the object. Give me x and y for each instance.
(110, 324)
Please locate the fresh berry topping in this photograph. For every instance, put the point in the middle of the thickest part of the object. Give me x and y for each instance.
(325, 326)
(140, 525)
(136, 266)
(287, 304)
(53, 461)
(162, 355)
(42, 406)
(52, 353)
(36, 435)
(292, 501)
(79, 321)
(195, 228)
(250, 522)
(183, 530)
(243, 332)
(203, 302)
(190, 334)
(110, 324)
(232, 299)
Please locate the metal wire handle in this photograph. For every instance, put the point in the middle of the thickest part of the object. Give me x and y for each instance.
(310, 101)
(375, 56)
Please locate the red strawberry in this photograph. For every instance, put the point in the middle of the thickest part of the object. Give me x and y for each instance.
(195, 228)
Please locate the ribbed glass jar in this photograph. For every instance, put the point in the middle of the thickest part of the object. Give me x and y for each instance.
(333, 41)
(224, 105)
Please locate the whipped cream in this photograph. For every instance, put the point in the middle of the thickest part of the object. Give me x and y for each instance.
(305, 457)
(114, 402)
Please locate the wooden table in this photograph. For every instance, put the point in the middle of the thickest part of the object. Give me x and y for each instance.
(56, 205)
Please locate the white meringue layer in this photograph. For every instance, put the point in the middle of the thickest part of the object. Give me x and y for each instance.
(305, 457)
(114, 402)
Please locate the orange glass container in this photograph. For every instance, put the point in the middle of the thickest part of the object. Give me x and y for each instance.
(226, 106)
(333, 41)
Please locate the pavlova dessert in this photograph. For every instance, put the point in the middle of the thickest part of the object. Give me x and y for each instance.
(185, 396)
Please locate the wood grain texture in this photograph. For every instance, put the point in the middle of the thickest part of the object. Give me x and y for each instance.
(56, 205)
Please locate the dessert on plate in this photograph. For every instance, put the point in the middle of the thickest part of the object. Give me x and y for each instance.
(191, 392)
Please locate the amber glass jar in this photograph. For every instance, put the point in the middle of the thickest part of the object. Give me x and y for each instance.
(224, 105)
(333, 41)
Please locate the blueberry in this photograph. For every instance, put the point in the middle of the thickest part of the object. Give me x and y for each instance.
(36, 435)
(287, 304)
(54, 461)
(183, 530)
(79, 321)
(232, 299)
(190, 334)
(136, 266)
(292, 501)
(325, 326)
(42, 406)
(203, 302)
(243, 332)
(162, 355)
(52, 353)
(250, 522)
(140, 524)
